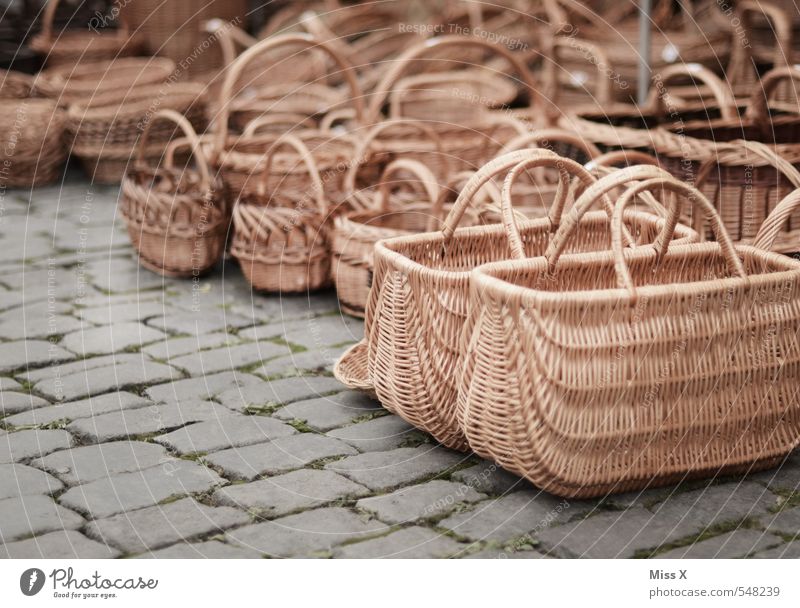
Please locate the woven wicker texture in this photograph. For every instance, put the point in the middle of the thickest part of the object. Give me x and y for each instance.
(33, 142)
(615, 371)
(15, 85)
(418, 302)
(177, 217)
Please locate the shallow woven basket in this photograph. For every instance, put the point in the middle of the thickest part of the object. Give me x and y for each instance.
(33, 142)
(240, 157)
(354, 235)
(615, 371)
(418, 302)
(105, 129)
(15, 85)
(740, 160)
(177, 218)
(68, 84)
(81, 45)
(279, 235)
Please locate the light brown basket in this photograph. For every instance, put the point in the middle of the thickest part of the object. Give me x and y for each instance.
(69, 83)
(81, 45)
(240, 157)
(354, 234)
(177, 218)
(418, 302)
(32, 141)
(106, 128)
(15, 85)
(615, 371)
(279, 235)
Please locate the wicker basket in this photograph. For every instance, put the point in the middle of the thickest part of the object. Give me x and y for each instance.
(279, 234)
(354, 234)
(615, 371)
(32, 141)
(418, 302)
(106, 128)
(69, 84)
(177, 218)
(82, 45)
(15, 85)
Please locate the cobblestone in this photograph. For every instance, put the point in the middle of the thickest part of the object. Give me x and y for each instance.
(206, 387)
(12, 403)
(212, 549)
(227, 358)
(739, 543)
(30, 353)
(110, 338)
(425, 501)
(377, 435)
(62, 544)
(227, 432)
(20, 480)
(22, 445)
(490, 478)
(328, 413)
(409, 543)
(278, 392)
(33, 515)
(75, 410)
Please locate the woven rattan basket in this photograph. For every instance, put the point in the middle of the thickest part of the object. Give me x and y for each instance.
(177, 217)
(279, 235)
(15, 85)
(418, 301)
(33, 142)
(615, 371)
(83, 44)
(106, 128)
(354, 234)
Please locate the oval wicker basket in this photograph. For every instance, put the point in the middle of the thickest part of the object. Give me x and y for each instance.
(279, 235)
(572, 378)
(106, 129)
(32, 141)
(418, 302)
(354, 235)
(177, 217)
(81, 45)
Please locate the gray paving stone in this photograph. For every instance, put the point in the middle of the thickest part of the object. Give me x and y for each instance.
(227, 432)
(277, 456)
(385, 470)
(74, 410)
(317, 333)
(206, 321)
(82, 365)
(785, 477)
(377, 435)
(12, 403)
(326, 413)
(26, 516)
(504, 554)
(787, 551)
(284, 494)
(37, 326)
(9, 384)
(129, 491)
(425, 501)
(163, 525)
(739, 543)
(61, 544)
(145, 420)
(212, 549)
(786, 522)
(408, 543)
(489, 478)
(123, 274)
(301, 363)
(270, 331)
(516, 515)
(95, 382)
(268, 394)
(175, 347)
(206, 387)
(110, 338)
(306, 534)
(227, 358)
(21, 480)
(21, 445)
(30, 353)
(126, 311)
(90, 462)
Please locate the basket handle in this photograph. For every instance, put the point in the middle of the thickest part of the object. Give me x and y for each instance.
(722, 93)
(567, 169)
(553, 135)
(661, 244)
(237, 67)
(629, 157)
(292, 141)
(601, 188)
(269, 120)
(758, 107)
(594, 55)
(227, 35)
(400, 65)
(338, 115)
(361, 154)
(779, 23)
(191, 137)
(418, 170)
(769, 230)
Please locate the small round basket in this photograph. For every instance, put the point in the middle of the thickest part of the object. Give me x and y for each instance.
(177, 218)
(32, 141)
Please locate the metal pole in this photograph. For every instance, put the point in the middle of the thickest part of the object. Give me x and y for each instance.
(645, 9)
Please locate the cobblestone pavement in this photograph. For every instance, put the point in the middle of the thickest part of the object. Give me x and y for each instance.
(151, 417)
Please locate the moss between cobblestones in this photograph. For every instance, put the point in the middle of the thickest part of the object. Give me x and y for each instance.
(372, 415)
(717, 529)
(787, 499)
(300, 426)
